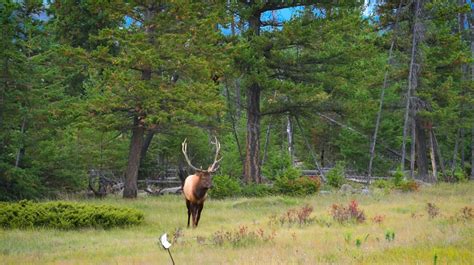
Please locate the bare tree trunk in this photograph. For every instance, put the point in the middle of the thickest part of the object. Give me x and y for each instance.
(471, 22)
(238, 98)
(233, 123)
(413, 73)
(382, 94)
(147, 143)
(422, 158)
(267, 141)
(472, 153)
(313, 155)
(438, 153)
(21, 149)
(461, 145)
(289, 132)
(136, 145)
(412, 149)
(455, 152)
(433, 158)
(464, 71)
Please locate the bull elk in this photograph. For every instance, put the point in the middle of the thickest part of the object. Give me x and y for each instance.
(196, 186)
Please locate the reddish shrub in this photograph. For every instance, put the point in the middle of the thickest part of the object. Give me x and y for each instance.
(432, 210)
(299, 216)
(351, 213)
(410, 185)
(378, 219)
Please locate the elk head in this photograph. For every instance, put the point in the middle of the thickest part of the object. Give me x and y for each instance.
(195, 186)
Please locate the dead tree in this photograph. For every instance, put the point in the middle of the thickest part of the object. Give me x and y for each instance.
(415, 63)
(382, 93)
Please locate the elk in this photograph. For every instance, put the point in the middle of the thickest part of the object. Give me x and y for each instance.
(195, 186)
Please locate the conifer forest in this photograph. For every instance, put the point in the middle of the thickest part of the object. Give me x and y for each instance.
(310, 132)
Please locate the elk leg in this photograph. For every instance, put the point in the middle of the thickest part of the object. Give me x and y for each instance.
(199, 210)
(188, 205)
(195, 213)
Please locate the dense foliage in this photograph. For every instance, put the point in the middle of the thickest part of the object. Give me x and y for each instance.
(65, 215)
(224, 186)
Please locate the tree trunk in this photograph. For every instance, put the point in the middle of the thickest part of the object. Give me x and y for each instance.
(147, 143)
(252, 158)
(471, 22)
(433, 158)
(21, 149)
(455, 152)
(422, 159)
(438, 153)
(238, 103)
(136, 145)
(382, 94)
(413, 73)
(413, 149)
(233, 122)
(313, 155)
(472, 153)
(461, 145)
(289, 132)
(267, 141)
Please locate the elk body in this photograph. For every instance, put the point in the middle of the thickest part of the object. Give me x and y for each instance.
(195, 186)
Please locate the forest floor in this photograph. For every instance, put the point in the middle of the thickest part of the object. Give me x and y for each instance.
(250, 231)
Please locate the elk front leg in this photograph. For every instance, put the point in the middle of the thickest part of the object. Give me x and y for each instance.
(188, 205)
(199, 210)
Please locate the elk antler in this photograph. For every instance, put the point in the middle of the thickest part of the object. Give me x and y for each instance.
(214, 167)
(184, 148)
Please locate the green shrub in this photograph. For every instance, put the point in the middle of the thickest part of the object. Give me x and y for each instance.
(409, 185)
(277, 165)
(335, 176)
(65, 215)
(18, 183)
(224, 186)
(460, 175)
(298, 187)
(257, 190)
(398, 177)
(291, 173)
(383, 184)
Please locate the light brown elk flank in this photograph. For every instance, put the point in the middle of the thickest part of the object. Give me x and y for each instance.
(196, 186)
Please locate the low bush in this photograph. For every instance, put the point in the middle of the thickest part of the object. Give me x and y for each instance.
(65, 215)
(257, 190)
(409, 185)
(398, 181)
(378, 219)
(460, 175)
(298, 187)
(242, 236)
(335, 176)
(432, 209)
(398, 177)
(224, 186)
(299, 216)
(351, 213)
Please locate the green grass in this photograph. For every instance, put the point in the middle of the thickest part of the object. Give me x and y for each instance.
(417, 239)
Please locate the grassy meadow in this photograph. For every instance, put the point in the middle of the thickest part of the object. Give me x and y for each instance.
(250, 231)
